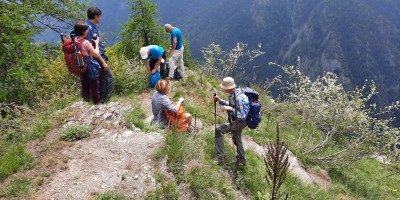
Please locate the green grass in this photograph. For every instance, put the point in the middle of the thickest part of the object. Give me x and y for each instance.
(75, 132)
(136, 118)
(208, 183)
(167, 190)
(40, 128)
(17, 186)
(366, 179)
(110, 196)
(13, 157)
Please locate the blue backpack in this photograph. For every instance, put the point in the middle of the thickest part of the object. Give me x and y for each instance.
(254, 115)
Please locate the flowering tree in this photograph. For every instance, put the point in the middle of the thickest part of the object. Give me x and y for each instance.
(344, 116)
(219, 63)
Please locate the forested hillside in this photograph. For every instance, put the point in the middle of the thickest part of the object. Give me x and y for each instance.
(356, 39)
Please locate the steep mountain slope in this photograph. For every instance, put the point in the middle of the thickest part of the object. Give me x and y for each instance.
(356, 39)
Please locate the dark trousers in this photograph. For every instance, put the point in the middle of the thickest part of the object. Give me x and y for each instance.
(90, 88)
(220, 130)
(106, 80)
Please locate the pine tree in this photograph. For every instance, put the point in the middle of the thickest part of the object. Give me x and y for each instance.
(142, 30)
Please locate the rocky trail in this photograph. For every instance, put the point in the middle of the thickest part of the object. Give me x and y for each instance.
(114, 157)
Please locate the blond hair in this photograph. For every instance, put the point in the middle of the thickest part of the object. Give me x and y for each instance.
(163, 86)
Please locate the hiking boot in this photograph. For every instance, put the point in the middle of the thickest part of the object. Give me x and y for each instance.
(241, 164)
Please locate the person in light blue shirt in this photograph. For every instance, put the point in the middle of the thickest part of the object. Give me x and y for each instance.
(154, 58)
(175, 51)
(237, 110)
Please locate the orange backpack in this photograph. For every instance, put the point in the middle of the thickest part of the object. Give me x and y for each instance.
(177, 120)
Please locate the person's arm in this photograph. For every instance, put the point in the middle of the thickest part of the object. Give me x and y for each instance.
(147, 64)
(179, 103)
(174, 42)
(157, 65)
(224, 104)
(95, 53)
(167, 104)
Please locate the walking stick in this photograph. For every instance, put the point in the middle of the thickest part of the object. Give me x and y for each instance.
(237, 130)
(215, 112)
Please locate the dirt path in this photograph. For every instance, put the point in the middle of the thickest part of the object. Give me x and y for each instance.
(113, 158)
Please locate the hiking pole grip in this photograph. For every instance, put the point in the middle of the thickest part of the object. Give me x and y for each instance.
(62, 37)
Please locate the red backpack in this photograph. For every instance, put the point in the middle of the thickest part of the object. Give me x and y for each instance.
(71, 48)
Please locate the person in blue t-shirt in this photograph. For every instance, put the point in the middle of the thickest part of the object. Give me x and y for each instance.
(106, 78)
(154, 58)
(175, 51)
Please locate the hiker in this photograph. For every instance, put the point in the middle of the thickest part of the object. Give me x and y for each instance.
(235, 125)
(175, 51)
(90, 87)
(106, 77)
(154, 58)
(160, 103)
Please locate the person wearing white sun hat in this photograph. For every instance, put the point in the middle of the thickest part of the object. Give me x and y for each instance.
(154, 58)
(237, 107)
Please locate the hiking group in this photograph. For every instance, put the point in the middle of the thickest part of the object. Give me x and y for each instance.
(85, 56)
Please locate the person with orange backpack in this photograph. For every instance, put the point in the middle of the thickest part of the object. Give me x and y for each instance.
(166, 114)
(90, 73)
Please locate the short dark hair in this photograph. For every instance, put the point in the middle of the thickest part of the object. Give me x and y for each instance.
(92, 12)
(80, 27)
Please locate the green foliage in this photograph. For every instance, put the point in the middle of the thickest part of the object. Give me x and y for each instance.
(21, 59)
(17, 186)
(165, 191)
(136, 118)
(189, 61)
(177, 147)
(40, 128)
(13, 157)
(56, 82)
(110, 196)
(130, 75)
(251, 178)
(207, 183)
(219, 64)
(348, 123)
(368, 179)
(142, 30)
(75, 132)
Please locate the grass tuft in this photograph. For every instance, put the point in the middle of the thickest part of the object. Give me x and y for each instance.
(17, 186)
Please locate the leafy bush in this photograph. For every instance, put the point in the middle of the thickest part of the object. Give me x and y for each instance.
(73, 133)
(55, 80)
(130, 76)
(350, 126)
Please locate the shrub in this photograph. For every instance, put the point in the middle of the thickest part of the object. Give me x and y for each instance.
(73, 133)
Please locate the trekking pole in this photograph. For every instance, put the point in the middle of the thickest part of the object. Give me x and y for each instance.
(62, 37)
(215, 112)
(237, 126)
